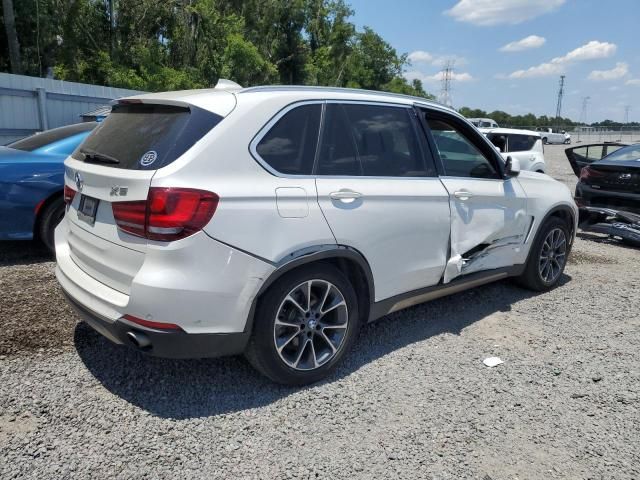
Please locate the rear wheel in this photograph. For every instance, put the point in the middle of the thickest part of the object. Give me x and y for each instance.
(50, 217)
(548, 256)
(305, 323)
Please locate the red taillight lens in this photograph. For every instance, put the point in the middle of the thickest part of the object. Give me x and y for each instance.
(152, 324)
(588, 173)
(131, 216)
(69, 194)
(168, 213)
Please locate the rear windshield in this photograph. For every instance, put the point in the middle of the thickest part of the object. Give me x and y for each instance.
(39, 140)
(632, 152)
(145, 136)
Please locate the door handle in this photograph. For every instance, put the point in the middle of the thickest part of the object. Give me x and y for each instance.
(345, 195)
(463, 194)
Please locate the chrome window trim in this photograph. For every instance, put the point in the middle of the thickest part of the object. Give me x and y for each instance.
(253, 145)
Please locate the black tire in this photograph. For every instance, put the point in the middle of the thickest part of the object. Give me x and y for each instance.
(261, 350)
(49, 219)
(544, 141)
(532, 277)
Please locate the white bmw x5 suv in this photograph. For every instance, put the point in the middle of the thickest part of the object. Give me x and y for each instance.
(275, 221)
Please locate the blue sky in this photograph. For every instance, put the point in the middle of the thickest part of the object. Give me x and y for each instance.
(593, 42)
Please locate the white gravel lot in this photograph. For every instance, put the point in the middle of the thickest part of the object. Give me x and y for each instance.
(413, 400)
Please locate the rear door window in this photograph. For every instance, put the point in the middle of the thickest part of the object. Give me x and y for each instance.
(386, 141)
(145, 136)
(371, 141)
(338, 149)
(290, 145)
(521, 143)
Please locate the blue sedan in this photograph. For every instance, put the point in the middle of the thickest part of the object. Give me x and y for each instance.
(32, 182)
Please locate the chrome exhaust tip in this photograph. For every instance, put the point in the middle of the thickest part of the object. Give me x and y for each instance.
(139, 339)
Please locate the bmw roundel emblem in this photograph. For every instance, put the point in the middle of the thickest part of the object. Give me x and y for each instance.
(148, 158)
(79, 182)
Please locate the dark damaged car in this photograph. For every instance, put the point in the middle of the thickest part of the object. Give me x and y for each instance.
(608, 190)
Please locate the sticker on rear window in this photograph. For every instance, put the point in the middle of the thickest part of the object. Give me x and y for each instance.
(148, 158)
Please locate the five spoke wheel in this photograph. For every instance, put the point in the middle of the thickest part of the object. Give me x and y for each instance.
(311, 324)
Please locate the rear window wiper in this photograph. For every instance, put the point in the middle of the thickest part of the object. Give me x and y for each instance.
(98, 157)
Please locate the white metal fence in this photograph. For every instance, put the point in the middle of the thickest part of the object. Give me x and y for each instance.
(32, 104)
(599, 134)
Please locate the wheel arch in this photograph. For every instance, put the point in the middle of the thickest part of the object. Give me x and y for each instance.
(41, 207)
(563, 212)
(348, 260)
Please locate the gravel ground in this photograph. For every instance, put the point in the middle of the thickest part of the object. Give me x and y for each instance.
(413, 400)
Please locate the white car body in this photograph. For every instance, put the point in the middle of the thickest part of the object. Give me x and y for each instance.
(550, 136)
(525, 145)
(411, 237)
(484, 122)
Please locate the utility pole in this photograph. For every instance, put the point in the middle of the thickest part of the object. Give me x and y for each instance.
(627, 109)
(445, 92)
(560, 95)
(583, 112)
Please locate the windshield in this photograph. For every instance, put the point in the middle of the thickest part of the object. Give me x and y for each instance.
(39, 140)
(632, 152)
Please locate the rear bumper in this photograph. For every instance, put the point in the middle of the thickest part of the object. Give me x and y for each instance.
(159, 343)
(594, 197)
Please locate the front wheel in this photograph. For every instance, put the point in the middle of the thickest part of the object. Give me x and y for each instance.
(548, 256)
(305, 323)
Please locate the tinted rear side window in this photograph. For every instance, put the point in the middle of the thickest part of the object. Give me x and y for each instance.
(145, 136)
(337, 150)
(521, 143)
(386, 141)
(290, 145)
(39, 140)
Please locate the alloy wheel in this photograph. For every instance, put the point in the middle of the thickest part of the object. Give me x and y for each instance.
(311, 325)
(553, 255)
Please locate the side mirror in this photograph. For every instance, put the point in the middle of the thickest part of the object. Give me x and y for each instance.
(511, 167)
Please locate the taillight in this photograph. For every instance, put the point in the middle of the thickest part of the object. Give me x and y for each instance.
(168, 213)
(69, 194)
(588, 173)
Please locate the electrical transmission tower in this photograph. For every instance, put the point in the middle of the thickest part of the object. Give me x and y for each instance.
(627, 109)
(583, 112)
(560, 95)
(447, 76)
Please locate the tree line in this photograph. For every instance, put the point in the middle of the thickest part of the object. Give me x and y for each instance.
(156, 45)
(529, 120)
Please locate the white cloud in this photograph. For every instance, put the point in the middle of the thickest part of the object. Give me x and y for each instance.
(437, 77)
(633, 81)
(589, 51)
(497, 12)
(422, 57)
(620, 70)
(542, 70)
(532, 41)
